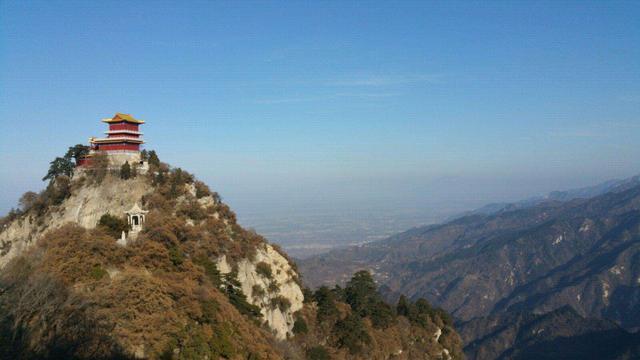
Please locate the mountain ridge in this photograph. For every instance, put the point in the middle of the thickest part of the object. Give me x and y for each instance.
(582, 253)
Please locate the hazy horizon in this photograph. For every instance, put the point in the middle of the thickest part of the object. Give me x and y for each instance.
(289, 109)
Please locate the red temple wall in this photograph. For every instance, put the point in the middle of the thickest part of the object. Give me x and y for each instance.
(121, 146)
(123, 126)
(135, 136)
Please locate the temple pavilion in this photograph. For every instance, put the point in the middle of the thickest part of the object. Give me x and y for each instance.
(122, 141)
(123, 134)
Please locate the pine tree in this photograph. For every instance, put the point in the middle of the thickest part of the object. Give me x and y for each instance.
(153, 159)
(125, 171)
(404, 307)
(59, 166)
(77, 152)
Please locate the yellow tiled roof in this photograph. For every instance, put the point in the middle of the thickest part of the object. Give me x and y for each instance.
(118, 117)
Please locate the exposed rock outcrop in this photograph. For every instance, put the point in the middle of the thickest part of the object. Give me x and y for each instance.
(85, 206)
(278, 295)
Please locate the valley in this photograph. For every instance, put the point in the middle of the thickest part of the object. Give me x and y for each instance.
(582, 253)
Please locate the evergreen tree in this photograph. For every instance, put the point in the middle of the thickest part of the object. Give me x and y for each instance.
(362, 295)
(351, 334)
(325, 299)
(153, 159)
(360, 291)
(125, 171)
(59, 166)
(76, 152)
(318, 353)
(404, 306)
(233, 290)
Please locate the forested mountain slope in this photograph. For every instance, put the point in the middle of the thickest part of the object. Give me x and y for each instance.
(193, 284)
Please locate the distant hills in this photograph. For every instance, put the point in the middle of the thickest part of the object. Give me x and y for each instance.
(565, 195)
(559, 334)
(577, 249)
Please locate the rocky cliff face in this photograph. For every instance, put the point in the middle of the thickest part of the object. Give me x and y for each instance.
(275, 291)
(85, 206)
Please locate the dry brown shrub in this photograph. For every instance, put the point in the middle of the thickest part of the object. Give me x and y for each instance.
(150, 255)
(156, 201)
(192, 209)
(50, 320)
(142, 307)
(71, 252)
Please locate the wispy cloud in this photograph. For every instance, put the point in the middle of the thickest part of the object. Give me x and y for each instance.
(596, 130)
(366, 95)
(359, 86)
(386, 80)
(577, 133)
(285, 100)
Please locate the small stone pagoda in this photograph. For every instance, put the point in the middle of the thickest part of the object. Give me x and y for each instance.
(136, 217)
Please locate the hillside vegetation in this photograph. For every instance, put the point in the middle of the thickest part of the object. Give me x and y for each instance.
(193, 284)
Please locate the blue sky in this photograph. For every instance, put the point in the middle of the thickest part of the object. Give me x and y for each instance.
(292, 105)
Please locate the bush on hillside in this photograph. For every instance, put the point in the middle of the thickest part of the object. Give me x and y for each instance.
(9, 218)
(98, 169)
(97, 272)
(74, 329)
(307, 294)
(210, 270)
(176, 256)
(57, 191)
(318, 353)
(125, 171)
(263, 269)
(28, 200)
(403, 308)
(280, 302)
(192, 210)
(257, 291)
(421, 312)
(300, 326)
(210, 308)
(351, 334)
(202, 189)
(113, 225)
(54, 194)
